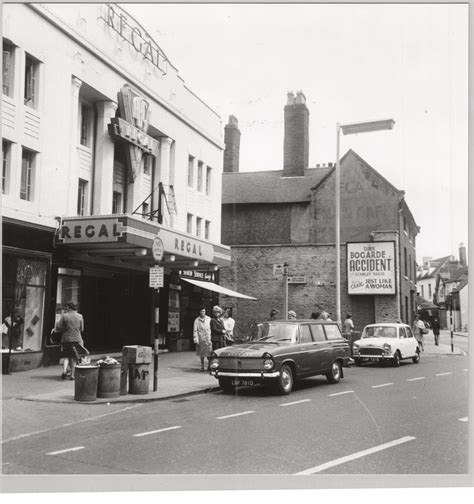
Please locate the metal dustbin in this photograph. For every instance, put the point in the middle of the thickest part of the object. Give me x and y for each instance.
(139, 378)
(109, 380)
(123, 378)
(85, 384)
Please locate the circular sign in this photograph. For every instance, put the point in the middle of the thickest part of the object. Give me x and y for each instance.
(157, 249)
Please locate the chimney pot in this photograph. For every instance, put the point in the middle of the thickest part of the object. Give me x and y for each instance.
(290, 98)
(232, 145)
(296, 139)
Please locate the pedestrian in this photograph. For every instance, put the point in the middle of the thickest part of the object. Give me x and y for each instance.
(315, 315)
(419, 330)
(435, 326)
(347, 326)
(71, 327)
(324, 315)
(273, 314)
(292, 315)
(229, 325)
(202, 337)
(217, 328)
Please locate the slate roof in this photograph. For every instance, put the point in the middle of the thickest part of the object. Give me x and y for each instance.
(271, 186)
(435, 266)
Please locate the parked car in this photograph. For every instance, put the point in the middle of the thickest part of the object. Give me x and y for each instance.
(386, 342)
(279, 352)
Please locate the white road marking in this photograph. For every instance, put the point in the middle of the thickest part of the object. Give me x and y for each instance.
(235, 414)
(66, 450)
(158, 430)
(443, 374)
(355, 456)
(90, 419)
(295, 402)
(382, 385)
(415, 379)
(340, 393)
(464, 419)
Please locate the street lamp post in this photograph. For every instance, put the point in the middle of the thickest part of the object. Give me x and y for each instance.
(285, 286)
(348, 129)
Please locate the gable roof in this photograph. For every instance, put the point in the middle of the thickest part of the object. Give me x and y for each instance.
(435, 266)
(271, 186)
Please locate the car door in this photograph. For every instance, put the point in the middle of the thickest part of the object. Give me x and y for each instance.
(319, 349)
(411, 342)
(303, 356)
(336, 345)
(402, 342)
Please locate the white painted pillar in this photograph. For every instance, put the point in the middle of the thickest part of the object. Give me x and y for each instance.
(165, 147)
(155, 179)
(104, 160)
(73, 184)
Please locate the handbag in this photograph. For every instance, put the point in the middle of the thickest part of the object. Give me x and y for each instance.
(424, 330)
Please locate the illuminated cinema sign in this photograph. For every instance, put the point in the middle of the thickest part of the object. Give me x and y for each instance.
(371, 268)
(133, 33)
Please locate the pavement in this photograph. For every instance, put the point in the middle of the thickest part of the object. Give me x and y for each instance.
(178, 375)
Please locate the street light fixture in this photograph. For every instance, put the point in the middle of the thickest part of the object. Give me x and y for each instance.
(349, 129)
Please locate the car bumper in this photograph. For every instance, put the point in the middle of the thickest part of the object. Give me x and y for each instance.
(373, 357)
(256, 375)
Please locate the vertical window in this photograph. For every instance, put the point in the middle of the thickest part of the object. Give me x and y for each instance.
(404, 224)
(81, 197)
(407, 320)
(409, 266)
(198, 226)
(117, 202)
(207, 229)
(422, 291)
(6, 148)
(27, 174)
(189, 224)
(429, 290)
(8, 68)
(145, 210)
(405, 260)
(199, 176)
(190, 171)
(147, 164)
(208, 180)
(87, 118)
(31, 82)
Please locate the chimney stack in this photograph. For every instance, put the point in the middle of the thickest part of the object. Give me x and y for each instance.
(462, 254)
(296, 141)
(232, 145)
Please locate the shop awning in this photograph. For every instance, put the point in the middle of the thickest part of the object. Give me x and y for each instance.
(217, 288)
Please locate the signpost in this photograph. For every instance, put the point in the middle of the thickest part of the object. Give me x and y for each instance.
(156, 281)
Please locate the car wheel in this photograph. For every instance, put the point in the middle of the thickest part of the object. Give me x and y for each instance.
(416, 359)
(226, 386)
(396, 359)
(284, 384)
(357, 361)
(335, 375)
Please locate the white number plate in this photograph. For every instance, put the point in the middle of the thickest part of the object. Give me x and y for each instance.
(373, 359)
(243, 383)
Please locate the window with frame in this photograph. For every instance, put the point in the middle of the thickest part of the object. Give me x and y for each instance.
(305, 334)
(422, 291)
(198, 226)
(117, 202)
(6, 157)
(189, 224)
(145, 210)
(86, 124)
(429, 291)
(405, 261)
(208, 180)
(190, 171)
(332, 332)
(28, 159)
(409, 266)
(199, 176)
(8, 68)
(31, 82)
(318, 332)
(402, 331)
(81, 197)
(147, 164)
(207, 229)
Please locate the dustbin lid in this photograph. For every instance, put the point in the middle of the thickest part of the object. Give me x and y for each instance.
(88, 366)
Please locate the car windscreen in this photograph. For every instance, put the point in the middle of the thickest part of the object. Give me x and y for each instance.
(380, 332)
(275, 333)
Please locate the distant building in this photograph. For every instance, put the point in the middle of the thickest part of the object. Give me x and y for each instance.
(277, 216)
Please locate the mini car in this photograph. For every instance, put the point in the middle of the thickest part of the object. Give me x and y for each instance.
(279, 352)
(386, 342)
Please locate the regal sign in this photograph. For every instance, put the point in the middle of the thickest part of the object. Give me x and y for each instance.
(91, 231)
(371, 268)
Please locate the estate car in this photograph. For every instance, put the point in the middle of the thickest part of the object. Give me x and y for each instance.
(279, 352)
(386, 342)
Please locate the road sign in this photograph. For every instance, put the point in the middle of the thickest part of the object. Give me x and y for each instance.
(157, 249)
(156, 277)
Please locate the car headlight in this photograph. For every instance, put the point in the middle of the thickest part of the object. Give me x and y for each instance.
(267, 362)
(214, 363)
(387, 347)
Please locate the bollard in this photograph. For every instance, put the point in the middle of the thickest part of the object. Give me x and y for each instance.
(139, 379)
(109, 380)
(85, 384)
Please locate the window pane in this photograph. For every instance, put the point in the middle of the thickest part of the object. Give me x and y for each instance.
(199, 176)
(305, 334)
(333, 332)
(318, 332)
(208, 181)
(31, 70)
(190, 171)
(8, 68)
(26, 178)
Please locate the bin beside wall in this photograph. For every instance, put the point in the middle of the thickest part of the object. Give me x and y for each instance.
(85, 384)
(124, 378)
(109, 380)
(139, 379)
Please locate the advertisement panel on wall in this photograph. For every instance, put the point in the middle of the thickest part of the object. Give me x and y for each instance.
(371, 268)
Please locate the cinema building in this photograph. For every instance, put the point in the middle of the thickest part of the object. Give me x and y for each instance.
(111, 166)
(273, 217)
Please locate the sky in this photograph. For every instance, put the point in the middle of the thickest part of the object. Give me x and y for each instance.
(354, 63)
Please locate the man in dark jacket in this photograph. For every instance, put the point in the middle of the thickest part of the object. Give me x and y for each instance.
(217, 328)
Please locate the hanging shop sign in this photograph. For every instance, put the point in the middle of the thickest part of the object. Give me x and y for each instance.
(371, 268)
(186, 246)
(96, 230)
(207, 276)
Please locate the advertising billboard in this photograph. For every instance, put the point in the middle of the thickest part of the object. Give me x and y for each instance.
(371, 268)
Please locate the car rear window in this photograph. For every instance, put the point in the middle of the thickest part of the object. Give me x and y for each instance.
(333, 332)
(274, 332)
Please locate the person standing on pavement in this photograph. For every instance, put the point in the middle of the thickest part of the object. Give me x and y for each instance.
(347, 326)
(419, 330)
(273, 314)
(71, 325)
(202, 336)
(292, 315)
(324, 315)
(217, 328)
(229, 325)
(435, 326)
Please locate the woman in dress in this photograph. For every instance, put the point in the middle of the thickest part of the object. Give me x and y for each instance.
(202, 336)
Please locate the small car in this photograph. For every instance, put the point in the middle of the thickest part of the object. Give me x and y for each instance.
(279, 352)
(386, 342)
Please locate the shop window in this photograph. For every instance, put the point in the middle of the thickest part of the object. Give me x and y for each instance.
(86, 118)
(190, 171)
(117, 202)
(189, 224)
(82, 197)
(199, 176)
(208, 180)
(24, 282)
(207, 229)
(28, 161)
(8, 68)
(31, 82)
(198, 226)
(6, 160)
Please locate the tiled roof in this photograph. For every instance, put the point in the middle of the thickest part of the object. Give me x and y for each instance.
(424, 303)
(270, 186)
(436, 265)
